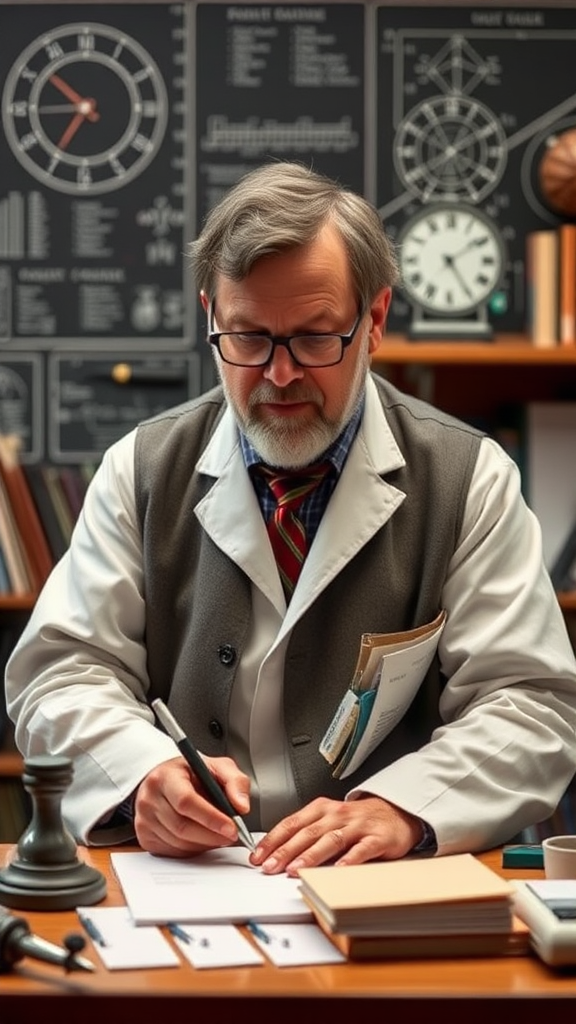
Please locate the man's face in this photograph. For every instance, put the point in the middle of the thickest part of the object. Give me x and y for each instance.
(291, 413)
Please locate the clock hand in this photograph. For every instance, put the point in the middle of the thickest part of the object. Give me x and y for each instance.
(62, 108)
(71, 130)
(66, 89)
(449, 261)
(85, 106)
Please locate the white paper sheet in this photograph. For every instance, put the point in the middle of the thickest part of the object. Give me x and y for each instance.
(218, 887)
(123, 945)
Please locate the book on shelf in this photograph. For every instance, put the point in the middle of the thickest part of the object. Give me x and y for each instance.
(63, 511)
(515, 942)
(542, 276)
(567, 284)
(452, 895)
(16, 560)
(42, 499)
(25, 512)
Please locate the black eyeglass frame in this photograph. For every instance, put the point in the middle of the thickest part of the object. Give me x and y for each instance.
(214, 337)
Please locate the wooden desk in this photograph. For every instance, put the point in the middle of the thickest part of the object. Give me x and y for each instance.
(473, 991)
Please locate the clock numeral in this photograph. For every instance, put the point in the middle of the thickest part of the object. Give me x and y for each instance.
(116, 166)
(28, 75)
(27, 141)
(141, 76)
(86, 42)
(19, 109)
(141, 143)
(53, 51)
(83, 176)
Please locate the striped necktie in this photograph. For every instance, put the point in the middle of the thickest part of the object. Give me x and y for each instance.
(285, 529)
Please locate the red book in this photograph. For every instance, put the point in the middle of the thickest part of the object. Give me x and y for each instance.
(25, 513)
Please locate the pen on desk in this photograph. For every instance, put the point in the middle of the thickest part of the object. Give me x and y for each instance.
(200, 768)
(178, 932)
(91, 930)
(257, 931)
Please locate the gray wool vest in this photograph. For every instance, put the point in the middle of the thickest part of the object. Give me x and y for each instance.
(198, 602)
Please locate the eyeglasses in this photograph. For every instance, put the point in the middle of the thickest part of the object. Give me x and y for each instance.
(252, 348)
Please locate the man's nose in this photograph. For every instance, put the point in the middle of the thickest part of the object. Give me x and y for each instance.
(282, 369)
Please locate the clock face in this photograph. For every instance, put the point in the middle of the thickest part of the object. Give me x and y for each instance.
(84, 108)
(451, 259)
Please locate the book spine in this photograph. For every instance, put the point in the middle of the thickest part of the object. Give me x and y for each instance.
(567, 296)
(542, 262)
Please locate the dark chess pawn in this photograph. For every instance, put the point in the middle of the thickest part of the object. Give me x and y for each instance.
(45, 872)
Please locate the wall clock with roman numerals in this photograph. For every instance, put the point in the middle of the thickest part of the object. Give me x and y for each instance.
(84, 108)
(451, 261)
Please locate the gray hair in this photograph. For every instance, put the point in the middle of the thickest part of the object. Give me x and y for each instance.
(284, 205)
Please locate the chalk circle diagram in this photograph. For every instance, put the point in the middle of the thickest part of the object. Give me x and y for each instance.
(450, 148)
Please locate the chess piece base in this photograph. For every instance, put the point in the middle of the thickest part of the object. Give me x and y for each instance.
(45, 887)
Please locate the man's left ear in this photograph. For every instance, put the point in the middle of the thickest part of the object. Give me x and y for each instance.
(204, 300)
(379, 313)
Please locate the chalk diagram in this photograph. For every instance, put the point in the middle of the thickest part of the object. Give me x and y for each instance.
(464, 118)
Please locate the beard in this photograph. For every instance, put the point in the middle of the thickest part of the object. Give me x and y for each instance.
(293, 442)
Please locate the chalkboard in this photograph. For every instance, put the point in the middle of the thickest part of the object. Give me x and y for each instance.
(92, 174)
(22, 402)
(467, 98)
(94, 401)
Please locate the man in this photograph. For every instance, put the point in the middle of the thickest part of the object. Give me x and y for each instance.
(170, 587)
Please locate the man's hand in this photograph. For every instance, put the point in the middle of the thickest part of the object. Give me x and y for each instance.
(172, 817)
(338, 832)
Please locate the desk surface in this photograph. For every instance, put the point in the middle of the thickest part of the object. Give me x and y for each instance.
(448, 981)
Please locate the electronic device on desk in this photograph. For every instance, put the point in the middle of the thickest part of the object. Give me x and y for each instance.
(548, 907)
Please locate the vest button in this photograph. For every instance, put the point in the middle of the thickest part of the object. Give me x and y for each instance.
(227, 654)
(216, 729)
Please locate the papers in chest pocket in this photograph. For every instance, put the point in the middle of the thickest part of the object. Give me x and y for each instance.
(389, 671)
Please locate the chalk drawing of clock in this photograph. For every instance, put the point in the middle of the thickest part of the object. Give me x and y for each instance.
(450, 147)
(84, 108)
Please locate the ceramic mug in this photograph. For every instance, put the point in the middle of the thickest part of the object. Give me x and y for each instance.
(559, 856)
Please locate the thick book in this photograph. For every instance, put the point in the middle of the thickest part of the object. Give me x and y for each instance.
(515, 942)
(452, 895)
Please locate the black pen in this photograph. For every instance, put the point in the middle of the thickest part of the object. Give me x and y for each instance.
(200, 768)
(91, 930)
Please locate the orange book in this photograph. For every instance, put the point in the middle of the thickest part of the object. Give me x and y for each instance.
(542, 287)
(27, 519)
(567, 283)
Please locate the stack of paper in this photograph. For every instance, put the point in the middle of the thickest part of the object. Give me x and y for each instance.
(444, 906)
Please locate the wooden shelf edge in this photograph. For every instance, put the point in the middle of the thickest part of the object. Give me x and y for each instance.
(17, 602)
(11, 764)
(513, 349)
